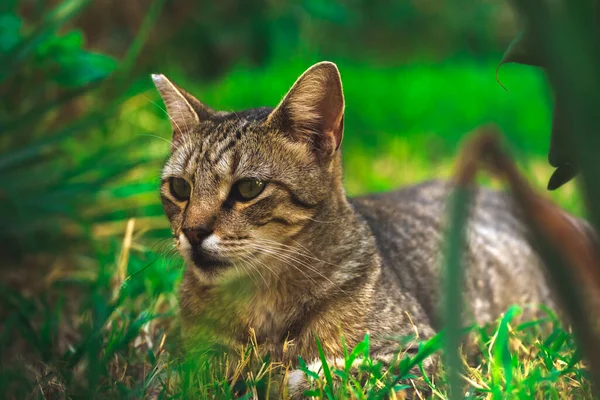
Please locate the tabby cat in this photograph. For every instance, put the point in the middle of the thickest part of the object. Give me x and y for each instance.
(259, 213)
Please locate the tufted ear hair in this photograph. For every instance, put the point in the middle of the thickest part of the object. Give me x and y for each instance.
(184, 110)
(313, 109)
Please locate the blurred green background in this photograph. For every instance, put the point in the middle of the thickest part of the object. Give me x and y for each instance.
(83, 133)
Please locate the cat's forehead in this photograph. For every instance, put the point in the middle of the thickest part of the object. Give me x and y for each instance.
(221, 145)
(250, 115)
(230, 127)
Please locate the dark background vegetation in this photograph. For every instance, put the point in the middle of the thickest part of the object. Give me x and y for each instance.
(88, 268)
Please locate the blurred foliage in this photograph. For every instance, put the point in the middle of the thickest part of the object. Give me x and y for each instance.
(524, 51)
(207, 38)
(49, 149)
(70, 144)
(83, 137)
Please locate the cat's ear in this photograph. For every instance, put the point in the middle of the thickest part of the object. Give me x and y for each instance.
(184, 110)
(313, 109)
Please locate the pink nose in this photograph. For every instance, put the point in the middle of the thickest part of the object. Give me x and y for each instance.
(197, 235)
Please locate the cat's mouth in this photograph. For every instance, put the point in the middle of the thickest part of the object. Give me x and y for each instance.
(207, 261)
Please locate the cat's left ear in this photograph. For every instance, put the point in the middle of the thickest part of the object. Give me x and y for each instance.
(313, 109)
(184, 110)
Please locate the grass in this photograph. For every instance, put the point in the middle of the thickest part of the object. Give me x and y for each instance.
(101, 322)
(121, 341)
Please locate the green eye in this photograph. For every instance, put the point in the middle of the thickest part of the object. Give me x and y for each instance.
(180, 189)
(247, 189)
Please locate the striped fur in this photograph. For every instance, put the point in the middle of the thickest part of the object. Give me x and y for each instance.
(302, 260)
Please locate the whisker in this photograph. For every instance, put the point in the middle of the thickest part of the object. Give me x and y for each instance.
(291, 264)
(244, 270)
(322, 222)
(294, 250)
(292, 258)
(155, 136)
(254, 259)
(184, 119)
(254, 269)
(289, 259)
(167, 114)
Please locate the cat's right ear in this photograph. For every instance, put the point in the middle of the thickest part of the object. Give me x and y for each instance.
(313, 109)
(183, 109)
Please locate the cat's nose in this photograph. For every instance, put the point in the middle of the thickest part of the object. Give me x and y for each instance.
(196, 235)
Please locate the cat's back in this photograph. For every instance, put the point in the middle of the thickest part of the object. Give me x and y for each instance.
(419, 208)
(409, 226)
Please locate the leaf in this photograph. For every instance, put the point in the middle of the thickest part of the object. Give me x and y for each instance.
(519, 51)
(151, 356)
(304, 368)
(361, 348)
(12, 60)
(502, 354)
(54, 46)
(560, 154)
(83, 68)
(562, 175)
(312, 393)
(522, 50)
(425, 350)
(10, 31)
(326, 371)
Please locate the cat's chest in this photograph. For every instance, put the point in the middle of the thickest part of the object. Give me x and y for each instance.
(268, 316)
(264, 314)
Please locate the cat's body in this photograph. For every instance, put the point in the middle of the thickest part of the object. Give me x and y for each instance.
(272, 243)
(377, 269)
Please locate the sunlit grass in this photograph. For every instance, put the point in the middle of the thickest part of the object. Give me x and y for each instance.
(124, 342)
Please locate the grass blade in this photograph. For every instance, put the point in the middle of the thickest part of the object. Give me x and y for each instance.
(453, 279)
(329, 390)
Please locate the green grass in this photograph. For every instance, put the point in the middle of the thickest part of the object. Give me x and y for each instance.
(101, 320)
(120, 340)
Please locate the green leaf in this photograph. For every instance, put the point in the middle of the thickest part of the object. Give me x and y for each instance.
(152, 357)
(67, 9)
(329, 390)
(502, 354)
(83, 68)
(312, 393)
(361, 349)
(304, 368)
(425, 350)
(54, 46)
(10, 31)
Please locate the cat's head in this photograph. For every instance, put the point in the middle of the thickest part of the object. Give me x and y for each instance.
(240, 183)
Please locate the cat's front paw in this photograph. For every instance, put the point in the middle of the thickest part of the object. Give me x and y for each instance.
(297, 384)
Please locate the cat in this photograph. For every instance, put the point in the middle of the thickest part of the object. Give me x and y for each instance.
(271, 241)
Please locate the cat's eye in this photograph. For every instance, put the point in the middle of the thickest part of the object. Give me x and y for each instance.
(247, 189)
(180, 189)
